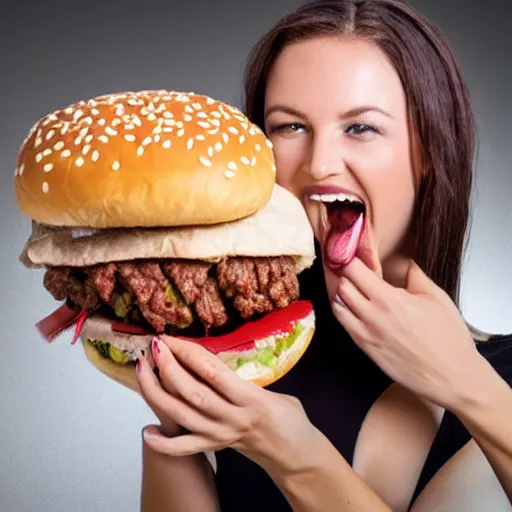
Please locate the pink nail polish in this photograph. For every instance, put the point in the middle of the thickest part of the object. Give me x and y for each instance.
(155, 348)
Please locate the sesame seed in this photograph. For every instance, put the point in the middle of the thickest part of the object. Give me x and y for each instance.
(64, 129)
(129, 137)
(46, 187)
(204, 115)
(83, 132)
(179, 124)
(78, 141)
(197, 106)
(101, 122)
(218, 146)
(50, 134)
(215, 122)
(245, 126)
(229, 174)
(147, 141)
(103, 139)
(136, 120)
(68, 110)
(156, 138)
(181, 132)
(38, 142)
(213, 132)
(169, 122)
(269, 144)
(232, 166)
(48, 167)
(187, 118)
(140, 151)
(210, 101)
(116, 166)
(166, 144)
(245, 160)
(257, 147)
(89, 138)
(215, 114)
(202, 124)
(151, 117)
(233, 130)
(129, 126)
(189, 109)
(95, 112)
(242, 139)
(66, 153)
(58, 145)
(253, 161)
(95, 155)
(110, 131)
(210, 151)
(79, 161)
(77, 115)
(168, 115)
(47, 152)
(205, 161)
(200, 137)
(225, 137)
(167, 129)
(116, 122)
(190, 143)
(88, 120)
(86, 149)
(39, 157)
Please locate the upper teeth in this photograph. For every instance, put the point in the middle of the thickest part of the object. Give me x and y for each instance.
(330, 198)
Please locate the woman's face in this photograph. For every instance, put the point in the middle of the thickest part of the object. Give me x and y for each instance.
(336, 113)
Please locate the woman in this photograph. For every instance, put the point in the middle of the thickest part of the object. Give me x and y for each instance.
(393, 406)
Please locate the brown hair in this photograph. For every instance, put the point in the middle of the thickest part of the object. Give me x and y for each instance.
(438, 104)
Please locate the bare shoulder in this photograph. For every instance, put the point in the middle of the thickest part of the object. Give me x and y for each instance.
(465, 482)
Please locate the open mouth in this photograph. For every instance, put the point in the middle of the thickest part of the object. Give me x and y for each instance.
(344, 219)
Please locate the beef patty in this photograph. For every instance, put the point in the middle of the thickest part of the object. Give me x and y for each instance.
(173, 293)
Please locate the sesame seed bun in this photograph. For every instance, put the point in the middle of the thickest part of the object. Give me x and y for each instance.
(144, 159)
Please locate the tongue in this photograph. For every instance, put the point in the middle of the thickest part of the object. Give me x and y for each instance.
(342, 243)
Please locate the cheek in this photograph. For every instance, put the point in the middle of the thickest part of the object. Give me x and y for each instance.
(289, 159)
(392, 196)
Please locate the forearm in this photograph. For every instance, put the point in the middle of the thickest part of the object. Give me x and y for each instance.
(327, 483)
(485, 408)
(177, 484)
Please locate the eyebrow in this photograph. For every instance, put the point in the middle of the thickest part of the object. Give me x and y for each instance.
(354, 112)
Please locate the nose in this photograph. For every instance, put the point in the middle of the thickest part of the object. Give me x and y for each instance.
(325, 157)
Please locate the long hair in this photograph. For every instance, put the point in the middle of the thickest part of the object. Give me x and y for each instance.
(438, 105)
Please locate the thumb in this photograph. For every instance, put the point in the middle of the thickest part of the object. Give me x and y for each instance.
(418, 282)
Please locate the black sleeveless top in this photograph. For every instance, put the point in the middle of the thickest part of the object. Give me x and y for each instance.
(337, 384)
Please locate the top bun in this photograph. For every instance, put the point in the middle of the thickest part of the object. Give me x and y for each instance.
(144, 159)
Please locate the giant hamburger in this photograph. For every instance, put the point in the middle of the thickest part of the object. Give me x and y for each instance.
(157, 212)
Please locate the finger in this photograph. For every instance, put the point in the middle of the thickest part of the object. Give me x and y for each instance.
(168, 406)
(179, 446)
(195, 393)
(212, 370)
(353, 325)
(367, 281)
(355, 301)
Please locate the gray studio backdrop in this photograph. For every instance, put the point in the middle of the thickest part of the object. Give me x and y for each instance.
(69, 438)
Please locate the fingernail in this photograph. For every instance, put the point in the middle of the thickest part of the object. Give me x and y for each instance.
(151, 433)
(338, 300)
(155, 348)
(138, 366)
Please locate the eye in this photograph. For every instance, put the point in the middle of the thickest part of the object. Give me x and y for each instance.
(359, 129)
(288, 128)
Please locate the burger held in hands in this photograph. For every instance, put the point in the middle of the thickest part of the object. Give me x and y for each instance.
(157, 212)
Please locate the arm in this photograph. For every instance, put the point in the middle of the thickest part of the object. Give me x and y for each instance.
(484, 405)
(326, 483)
(177, 484)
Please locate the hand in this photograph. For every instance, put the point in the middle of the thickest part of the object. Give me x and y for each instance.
(219, 409)
(415, 334)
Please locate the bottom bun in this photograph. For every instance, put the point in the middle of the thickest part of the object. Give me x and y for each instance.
(98, 329)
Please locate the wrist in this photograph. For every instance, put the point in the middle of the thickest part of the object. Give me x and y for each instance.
(307, 459)
(482, 390)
